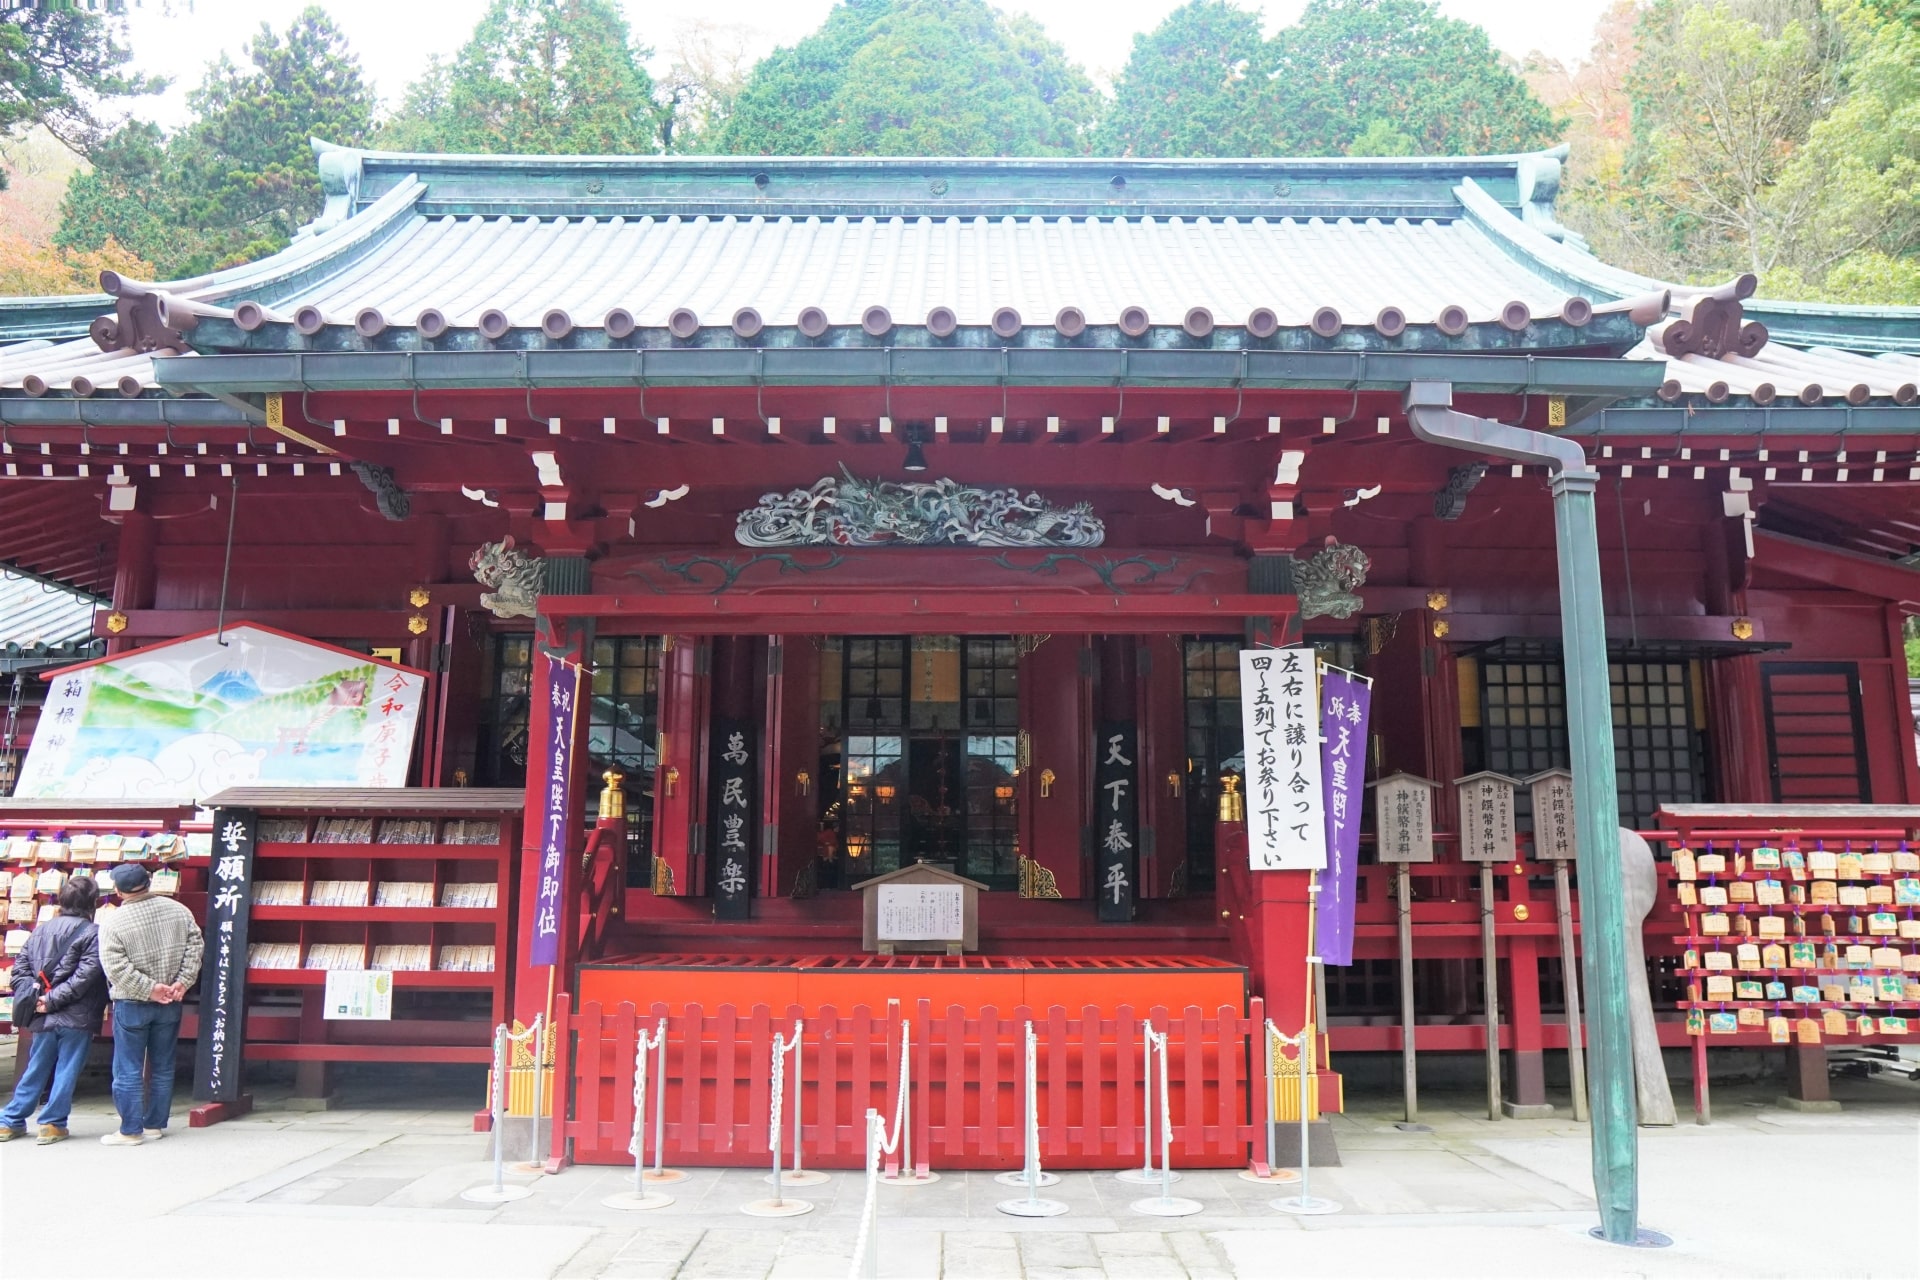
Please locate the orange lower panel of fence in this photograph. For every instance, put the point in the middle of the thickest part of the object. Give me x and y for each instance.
(967, 1078)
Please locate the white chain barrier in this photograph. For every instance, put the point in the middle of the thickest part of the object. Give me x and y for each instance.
(1303, 1047)
(777, 1206)
(1031, 1175)
(497, 1191)
(1146, 1174)
(640, 1197)
(1166, 1204)
(878, 1143)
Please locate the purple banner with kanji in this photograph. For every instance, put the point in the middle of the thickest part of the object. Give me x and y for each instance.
(557, 810)
(1345, 700)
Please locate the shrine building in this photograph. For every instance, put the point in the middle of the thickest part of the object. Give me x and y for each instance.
(874, 499)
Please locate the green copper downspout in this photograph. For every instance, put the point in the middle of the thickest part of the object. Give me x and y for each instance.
(1603, 948)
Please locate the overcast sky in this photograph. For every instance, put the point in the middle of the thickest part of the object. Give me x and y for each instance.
(395, 37)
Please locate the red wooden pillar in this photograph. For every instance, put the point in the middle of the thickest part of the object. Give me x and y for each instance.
(533, 988)
(1903, 729)
(133, 578)
(1736, 713)
(1160, 670)
(791, 758)
(1054, 708)
(1268, 922)
(1526, 1094)
(679, 784)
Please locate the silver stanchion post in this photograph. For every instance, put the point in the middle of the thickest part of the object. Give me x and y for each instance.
(908, 1176)
(659, 1175)
(498, 1191)
(1145, 1174)
(797, 1176)
(776, 1206)
(533, 1163)
(1269, 1034)
(1166, 1204)
(1306, 1204)
(1032, 1175)
(641, 1197)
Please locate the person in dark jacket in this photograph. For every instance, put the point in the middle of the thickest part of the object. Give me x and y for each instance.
(67, 950)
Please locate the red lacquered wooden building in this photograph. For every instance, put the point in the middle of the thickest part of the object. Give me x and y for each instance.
(911, 477)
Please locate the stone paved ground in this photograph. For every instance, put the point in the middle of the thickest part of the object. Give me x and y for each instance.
(373, 1191)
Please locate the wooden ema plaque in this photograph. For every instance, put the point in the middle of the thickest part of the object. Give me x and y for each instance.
(920, 908)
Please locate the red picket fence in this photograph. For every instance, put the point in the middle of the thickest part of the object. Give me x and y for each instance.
(967, 1078)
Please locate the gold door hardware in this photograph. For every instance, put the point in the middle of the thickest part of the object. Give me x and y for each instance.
(1046, 783)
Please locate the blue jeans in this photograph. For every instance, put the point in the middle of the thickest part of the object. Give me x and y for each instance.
(55, 1055)
(144, 1036)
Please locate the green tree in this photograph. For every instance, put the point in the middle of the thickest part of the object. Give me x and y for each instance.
(914, 77)
(1780, 137)
(1196, 85)
(127, 197)
(1398, 74)
(245, 166)
(786, 105)
(541, 76)
(237, 182)
(59, 66)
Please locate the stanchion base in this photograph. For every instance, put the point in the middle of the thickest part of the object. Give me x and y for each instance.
(660, 1177)
(527, 1166)
(1032, 1208)
(491, 1194)
(1018, 1178)
(1306, 1206)
(1643, 1239)
(1168, 1207)
(634, 1200)
(776, 1208)
(1141, 1177)
(906, 1179)
(1271, 1177)
(800, 1177)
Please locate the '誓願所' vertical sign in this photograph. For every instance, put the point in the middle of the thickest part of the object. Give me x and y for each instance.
(1345, 703)
(1280, 728)
(556, 809)
(223, 972)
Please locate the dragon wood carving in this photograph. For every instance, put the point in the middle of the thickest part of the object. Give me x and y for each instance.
(847, 511)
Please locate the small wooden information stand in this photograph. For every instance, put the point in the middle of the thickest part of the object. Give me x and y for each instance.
(920, 908)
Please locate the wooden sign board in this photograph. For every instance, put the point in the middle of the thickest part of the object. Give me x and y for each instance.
(920, 908)
(1553, 835)
(1486, 817)
(1403, 818)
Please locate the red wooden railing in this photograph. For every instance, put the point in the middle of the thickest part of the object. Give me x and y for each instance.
(967, 1081)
